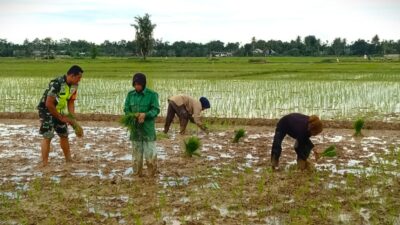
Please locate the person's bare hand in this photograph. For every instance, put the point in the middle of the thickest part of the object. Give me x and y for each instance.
(317, 154)
(141, 117)
(66, 120)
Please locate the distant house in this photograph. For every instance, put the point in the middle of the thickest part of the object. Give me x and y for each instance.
(221, 54)
(258, 51)
(37, 53)
(270, 52)
(19, 53)
(392, 56)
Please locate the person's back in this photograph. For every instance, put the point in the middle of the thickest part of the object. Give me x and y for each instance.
(187, 108)
(300, 127)
(192, 105)
(295, 125)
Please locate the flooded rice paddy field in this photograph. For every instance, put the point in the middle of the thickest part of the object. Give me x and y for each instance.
(268, 99)
(229, 184)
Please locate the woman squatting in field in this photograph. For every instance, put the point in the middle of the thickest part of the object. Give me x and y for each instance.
(301, 128)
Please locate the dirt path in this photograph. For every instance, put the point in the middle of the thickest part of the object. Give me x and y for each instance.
(335, 124)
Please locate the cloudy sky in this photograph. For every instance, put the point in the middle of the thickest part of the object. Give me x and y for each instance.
(200, 20)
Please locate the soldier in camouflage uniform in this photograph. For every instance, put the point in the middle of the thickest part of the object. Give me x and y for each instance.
(58, 97)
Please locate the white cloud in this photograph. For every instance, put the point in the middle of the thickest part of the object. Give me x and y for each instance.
(200, 21)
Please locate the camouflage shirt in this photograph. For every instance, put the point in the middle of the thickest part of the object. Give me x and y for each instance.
(62, 92)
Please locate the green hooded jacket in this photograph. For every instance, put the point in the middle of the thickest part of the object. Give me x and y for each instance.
(143, 102)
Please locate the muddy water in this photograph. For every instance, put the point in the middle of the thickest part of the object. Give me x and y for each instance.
(105, 154)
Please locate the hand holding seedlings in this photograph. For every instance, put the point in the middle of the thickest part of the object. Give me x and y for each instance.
(205, 129)
(66, 120)
(75, 125)
(330, 151)
(317, 154)
(141, 117)
(129, 121)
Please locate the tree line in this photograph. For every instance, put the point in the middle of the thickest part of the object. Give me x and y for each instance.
(307, 46)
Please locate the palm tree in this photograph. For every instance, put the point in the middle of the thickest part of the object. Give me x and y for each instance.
(144, 34)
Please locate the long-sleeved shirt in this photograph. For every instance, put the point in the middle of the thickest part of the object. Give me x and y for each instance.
(144, 102)
(295, 125)
(193, 106)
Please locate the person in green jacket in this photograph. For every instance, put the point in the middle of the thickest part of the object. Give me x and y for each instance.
(144, 104)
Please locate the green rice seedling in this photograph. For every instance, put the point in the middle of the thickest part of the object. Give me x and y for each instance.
(330, 151)
(192, 145)
(129, 121)
(75, 125)
(358, 126)
(161, 135)
(238, 134)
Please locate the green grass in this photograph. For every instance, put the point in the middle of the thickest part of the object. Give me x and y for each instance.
(299, 68)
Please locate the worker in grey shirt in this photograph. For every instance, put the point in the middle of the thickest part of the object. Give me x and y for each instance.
(187, 109)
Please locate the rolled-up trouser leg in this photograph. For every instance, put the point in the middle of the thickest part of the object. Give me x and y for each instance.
(277, 145)
(303, 148)
(150, 155)
(183, 124)
(170, 115)
(137, 156)
(183, 115)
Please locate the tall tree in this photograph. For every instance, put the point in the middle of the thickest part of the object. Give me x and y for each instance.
(376, 45)
(312, 45)
(375, 40)
(93, 51)
(48, 43)
(215, 46)
(232, 47)
(338, 46)
(144, 34)
(360, 47)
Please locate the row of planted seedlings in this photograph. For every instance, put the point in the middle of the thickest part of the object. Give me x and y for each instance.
(244, 99)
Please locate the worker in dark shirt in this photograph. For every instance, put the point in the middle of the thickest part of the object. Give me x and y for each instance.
(300, 127)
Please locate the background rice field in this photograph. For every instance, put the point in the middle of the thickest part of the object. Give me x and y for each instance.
(236, 88)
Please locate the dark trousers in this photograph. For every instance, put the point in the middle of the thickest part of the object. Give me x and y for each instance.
(182, 114)
(302, 147)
